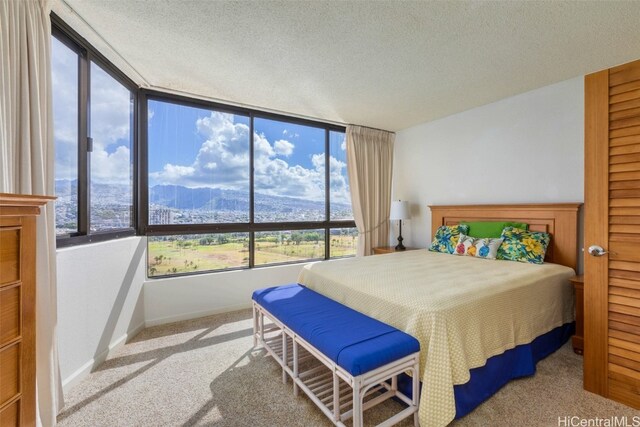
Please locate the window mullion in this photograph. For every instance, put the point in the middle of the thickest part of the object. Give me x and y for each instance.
(83, 153)
(133, 156)
(252, 251)
(142, 163)
(327, 193)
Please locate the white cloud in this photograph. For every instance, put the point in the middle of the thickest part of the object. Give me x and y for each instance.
(111, 128)
(283, 148)
(262, 146)
(111, 168)
(110, 121)
(223, 161)
(172, 173)
(276, 177)
(338, 180)
(65, 109)
(111, 109)
(290, 134)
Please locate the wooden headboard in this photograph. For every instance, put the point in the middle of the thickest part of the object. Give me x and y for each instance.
(558, 219)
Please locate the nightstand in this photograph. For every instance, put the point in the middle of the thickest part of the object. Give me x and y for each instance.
(578, 339)
(388, 250)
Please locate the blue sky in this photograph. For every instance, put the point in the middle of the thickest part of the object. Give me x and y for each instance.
(190, 146)
(111, 113)
(201, 148)
(170, 122)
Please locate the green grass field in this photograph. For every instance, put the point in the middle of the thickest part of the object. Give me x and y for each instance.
(174, 256)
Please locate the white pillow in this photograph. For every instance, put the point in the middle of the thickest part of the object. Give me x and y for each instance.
(478, 247)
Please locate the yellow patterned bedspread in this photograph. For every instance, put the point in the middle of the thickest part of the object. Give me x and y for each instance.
(462, 309)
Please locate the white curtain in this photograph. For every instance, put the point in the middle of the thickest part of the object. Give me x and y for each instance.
(370, 167)
(26, 167)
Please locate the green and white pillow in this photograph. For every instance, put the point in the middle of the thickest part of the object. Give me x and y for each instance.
(481, 248)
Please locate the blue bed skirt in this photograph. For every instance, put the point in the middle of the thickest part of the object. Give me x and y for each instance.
(518, 362)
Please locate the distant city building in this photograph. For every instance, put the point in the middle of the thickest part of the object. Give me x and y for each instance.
(161, 216)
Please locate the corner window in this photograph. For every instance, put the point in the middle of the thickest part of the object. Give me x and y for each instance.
(214, 187)
(94, 135)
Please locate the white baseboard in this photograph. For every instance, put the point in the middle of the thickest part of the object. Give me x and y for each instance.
(195, 315)
(91, 365)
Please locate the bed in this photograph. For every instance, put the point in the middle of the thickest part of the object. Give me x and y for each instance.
(475, 319)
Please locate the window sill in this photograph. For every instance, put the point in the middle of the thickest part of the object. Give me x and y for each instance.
(65, 242)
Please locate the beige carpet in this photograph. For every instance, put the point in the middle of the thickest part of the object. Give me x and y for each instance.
(204, 372)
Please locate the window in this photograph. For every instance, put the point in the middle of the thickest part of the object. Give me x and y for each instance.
(64, 76)
(289, 165)
(274, 247)
(198, 165)
(215, 187)
(254, 187)
(194, 253)
(94, 134)
(338, 178)
(343, 242)
(111, 130)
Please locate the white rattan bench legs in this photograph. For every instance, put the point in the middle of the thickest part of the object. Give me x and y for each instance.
(335, 391)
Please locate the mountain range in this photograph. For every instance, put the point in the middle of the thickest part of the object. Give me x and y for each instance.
(204, 198)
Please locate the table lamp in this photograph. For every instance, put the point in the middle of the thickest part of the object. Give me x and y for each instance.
(399, 211)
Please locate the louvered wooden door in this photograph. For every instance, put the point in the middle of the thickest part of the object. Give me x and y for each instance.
(612, 221)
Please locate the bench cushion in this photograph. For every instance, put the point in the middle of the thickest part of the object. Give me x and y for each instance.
(352, 340)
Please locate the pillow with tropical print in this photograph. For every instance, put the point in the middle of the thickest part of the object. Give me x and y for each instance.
(446, 238)
(523, 246)
(483, 247)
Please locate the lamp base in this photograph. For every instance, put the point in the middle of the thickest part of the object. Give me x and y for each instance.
(400, 246)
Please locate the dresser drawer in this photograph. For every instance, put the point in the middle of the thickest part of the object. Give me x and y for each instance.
(10, 416)
(9, 255)
(10, 311)
(9, 372)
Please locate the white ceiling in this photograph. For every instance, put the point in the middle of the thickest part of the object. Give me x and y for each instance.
(385, 64)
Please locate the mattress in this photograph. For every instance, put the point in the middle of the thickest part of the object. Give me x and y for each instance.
(463, 310)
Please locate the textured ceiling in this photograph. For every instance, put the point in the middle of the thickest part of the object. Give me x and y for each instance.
(385, 64)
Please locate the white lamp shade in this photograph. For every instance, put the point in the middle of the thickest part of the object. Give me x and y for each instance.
(399, 210)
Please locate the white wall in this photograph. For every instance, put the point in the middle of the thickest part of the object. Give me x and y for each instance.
(180, 298)
(99, 302)
(104, 298)
(527, 148)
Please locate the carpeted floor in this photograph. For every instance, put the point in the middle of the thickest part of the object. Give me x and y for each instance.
(204, 372)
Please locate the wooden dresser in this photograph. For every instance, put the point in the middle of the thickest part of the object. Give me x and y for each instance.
(17, 308)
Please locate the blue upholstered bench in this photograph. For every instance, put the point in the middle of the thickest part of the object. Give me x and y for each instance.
(358, 356)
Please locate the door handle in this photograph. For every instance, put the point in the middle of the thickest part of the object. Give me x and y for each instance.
(595, 250)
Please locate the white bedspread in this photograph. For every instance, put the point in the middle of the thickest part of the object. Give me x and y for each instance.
(462, 309)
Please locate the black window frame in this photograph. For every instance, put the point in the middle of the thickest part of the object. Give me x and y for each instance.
(139, 149)
(86, 55)
(250, 227)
